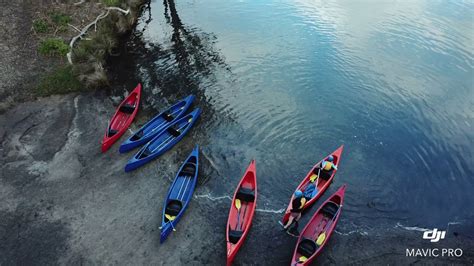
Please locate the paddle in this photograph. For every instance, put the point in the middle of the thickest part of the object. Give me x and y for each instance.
(302, 259)
(322, 236)
(243, 217)
(317, 227)
(238, 204)
(172, 226)
(170, 219)
(316, 179)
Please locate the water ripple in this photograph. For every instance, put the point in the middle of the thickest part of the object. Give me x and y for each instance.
(287, 82)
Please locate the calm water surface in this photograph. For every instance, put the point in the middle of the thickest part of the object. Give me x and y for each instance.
(287, 82)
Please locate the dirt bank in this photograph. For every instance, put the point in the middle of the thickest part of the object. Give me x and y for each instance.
(36, 37)
(20, 64)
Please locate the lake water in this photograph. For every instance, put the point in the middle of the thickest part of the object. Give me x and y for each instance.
(287, 82)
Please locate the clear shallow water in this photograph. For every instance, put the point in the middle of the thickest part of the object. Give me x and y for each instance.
(287, 82)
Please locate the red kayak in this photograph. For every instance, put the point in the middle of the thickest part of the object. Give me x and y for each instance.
(122, 118)
(321, 183)
(318, 230)
(241, 212)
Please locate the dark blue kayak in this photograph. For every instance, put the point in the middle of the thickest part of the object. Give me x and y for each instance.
(162, 142)
(179, 194)
(156, 125)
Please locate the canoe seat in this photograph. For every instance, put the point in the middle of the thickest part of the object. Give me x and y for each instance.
(330, 209)
(235, 235)
(174, 132)
(168, 117)
(112, 132)
(145, 153)
(323, 173)
(188, 170)
(307, 247)
(127, 108)
(246, 194)
(173, 208)
(326, 174)
(137, 135)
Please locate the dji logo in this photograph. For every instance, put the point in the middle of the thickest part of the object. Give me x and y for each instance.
(434, 235)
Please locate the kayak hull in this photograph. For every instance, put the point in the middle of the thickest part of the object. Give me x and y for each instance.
(321, 187)
(122, 118)
(163, 141)
(239, 221)
(153, 127)
(320, 223)
(180, 193)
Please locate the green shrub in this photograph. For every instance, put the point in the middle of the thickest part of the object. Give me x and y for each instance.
(40, 26)
(111, 2)
(53, 46)
(60, 19)
(62, 80)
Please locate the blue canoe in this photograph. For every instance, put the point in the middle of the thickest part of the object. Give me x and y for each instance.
(179, 194)
(156, 125)
(163, 141)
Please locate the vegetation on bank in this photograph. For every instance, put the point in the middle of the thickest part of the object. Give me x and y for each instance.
(61, 20)
(89, 53)
(53, 47)
(111, 2)
(41, 26)
(61, 81)
(53, 22)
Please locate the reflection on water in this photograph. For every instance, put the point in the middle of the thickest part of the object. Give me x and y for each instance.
(287, 82)
(177, 67)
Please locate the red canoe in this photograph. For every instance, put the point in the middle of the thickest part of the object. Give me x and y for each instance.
(122, 118)
(321, 183)
(241, 212)
(318, 230)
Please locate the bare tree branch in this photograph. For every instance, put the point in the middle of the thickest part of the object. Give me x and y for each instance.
(80, 2)
(74, 27)
(88, 26)
(125, 12)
